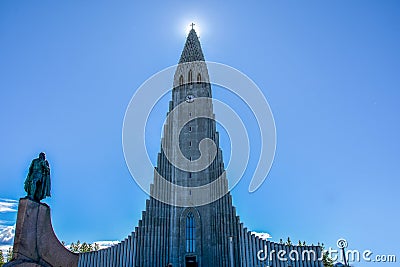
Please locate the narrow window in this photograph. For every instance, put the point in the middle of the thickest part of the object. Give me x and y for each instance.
(198, 78)
(190, 233)
(181, 80)
(190, 143)
(190, 114)
(190, 76)
(190, 128)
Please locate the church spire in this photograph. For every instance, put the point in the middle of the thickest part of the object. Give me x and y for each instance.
(192, 66)
(192, 50)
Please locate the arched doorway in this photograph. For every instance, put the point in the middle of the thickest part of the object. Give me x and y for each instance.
(190, 238)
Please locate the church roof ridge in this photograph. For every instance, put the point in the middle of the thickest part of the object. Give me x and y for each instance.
(192, 49)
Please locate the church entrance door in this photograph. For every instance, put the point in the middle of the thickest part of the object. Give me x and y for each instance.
(191, 261)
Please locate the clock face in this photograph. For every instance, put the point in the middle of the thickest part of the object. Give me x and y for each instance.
(189, 98)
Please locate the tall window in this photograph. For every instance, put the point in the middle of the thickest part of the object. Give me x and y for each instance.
(190, 233)
(198, 78)
(190, 78)
(181, 80)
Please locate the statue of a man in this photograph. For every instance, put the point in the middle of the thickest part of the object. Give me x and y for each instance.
(37, 183)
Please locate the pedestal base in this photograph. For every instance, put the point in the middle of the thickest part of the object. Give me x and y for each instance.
(35, 244)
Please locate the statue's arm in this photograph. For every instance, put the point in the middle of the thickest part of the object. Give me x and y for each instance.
(47, 166)
(47, 187)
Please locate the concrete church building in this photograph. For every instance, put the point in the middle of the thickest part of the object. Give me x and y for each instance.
(175, 232)
(208, 235)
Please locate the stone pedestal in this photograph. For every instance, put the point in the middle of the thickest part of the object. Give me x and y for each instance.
(35, 244)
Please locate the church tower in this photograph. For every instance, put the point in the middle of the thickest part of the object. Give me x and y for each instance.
(201, 229)
(189, 219)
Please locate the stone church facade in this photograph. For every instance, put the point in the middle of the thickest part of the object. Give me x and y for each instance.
(173, 230)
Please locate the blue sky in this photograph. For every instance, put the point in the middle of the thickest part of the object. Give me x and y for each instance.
(329, 70)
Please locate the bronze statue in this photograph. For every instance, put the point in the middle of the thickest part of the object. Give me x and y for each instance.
(37, 183)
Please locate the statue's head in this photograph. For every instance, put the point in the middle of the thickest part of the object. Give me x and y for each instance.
(42, 156)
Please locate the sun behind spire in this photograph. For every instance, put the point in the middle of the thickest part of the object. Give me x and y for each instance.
(192, 50)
